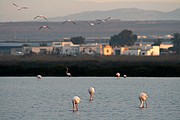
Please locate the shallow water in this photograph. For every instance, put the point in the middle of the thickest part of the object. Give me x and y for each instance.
(26, 98)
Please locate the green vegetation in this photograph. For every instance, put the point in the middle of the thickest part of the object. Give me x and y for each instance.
(176, 41)
(126, 37)
(161, 66)
(77, 40)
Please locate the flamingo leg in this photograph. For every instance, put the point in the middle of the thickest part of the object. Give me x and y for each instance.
(76, 107)
(90, 99)
(146, 104)
(142, 103)
(73, 105)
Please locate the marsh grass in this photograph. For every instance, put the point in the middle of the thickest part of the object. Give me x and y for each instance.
(158, 66)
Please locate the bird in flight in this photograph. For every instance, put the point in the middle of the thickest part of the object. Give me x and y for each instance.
(40, 16)
(71, 21)
(19, 8)
(103, 20)
(45, 27)
(91, 23)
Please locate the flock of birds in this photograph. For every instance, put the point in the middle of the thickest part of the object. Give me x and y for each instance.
(76, 99)
(97, 21)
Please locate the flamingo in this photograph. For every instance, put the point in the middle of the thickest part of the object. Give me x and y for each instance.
(19, 8)
(45, 27)
(75, 101)
(103, 20)
(71, 21)
(40, 16)
(91, 91)
(67, 73)
(125, 76)
(91, 23)
(118, 75)
(143, 97)
(39, 77)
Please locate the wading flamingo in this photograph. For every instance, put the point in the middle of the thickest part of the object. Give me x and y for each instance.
(39, 77)
(91, 91)
(125, 76)
(118, 75)
(67, 73)
(143, 97)
(75, 101)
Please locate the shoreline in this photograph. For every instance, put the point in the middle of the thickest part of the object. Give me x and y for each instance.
(89, 66)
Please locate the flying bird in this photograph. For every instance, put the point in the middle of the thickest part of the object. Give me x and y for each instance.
(71, 21)
(40, 16)
(67, 73)
(91, 23)
(19, 8)
(103, 20)
(143, 97)
(45, 27)
(91, 91)
(75, 101)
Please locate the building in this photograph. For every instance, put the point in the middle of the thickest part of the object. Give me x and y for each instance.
(141, 50)
(65, 48)
(90, 49)
(150, 51)
(10, 48)
(107, 50)
(130, 51)
(166, 45)
(117, 50)
(42, 50)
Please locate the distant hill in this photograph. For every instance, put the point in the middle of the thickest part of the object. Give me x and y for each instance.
(123, 14)
(30, 30)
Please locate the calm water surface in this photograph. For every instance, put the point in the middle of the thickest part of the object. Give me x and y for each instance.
(26, 98)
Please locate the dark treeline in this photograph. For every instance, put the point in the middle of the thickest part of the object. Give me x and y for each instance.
(134, 66)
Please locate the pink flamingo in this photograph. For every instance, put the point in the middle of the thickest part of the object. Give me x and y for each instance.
(45, 27)
(118, 75)
(143, 97)
(19, 8)
(91, 91)
(71, 21)
(67, 73)
(40, 16)
(75, 101)
(39, 77)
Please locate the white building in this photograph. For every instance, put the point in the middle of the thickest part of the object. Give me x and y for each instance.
(65, 48)
(143, 50)
(42, 50)
(150, 51)
(166, 45)
(90, 49)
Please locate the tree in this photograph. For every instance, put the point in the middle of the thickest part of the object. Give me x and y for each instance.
(77, 40)
(157, 42)
(126, 37)
(176, 41)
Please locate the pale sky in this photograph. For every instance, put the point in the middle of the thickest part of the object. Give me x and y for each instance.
(56, 8)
